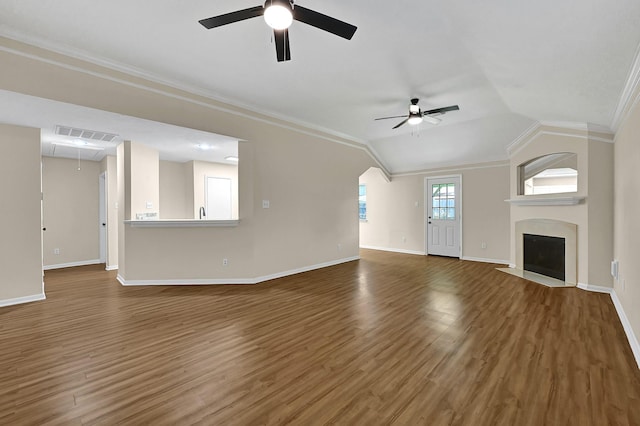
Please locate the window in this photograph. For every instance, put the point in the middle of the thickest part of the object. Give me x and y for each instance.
(443, 198)
(362, 202)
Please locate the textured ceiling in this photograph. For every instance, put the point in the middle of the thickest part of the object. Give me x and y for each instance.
(506, 64)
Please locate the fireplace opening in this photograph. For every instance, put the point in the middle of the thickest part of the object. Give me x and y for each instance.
(544, 255)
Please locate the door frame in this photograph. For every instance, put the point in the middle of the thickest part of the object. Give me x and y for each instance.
(102, 217)
(425, 218)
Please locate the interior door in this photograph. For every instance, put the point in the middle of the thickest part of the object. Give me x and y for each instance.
(443, 216)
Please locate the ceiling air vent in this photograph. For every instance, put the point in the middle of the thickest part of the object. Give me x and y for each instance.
(92, 135)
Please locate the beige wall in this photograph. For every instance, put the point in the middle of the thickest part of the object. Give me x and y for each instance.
(309, 177)
(70, 211)
(593, 216)
(312, 218)
(176, 182)
(627, 213)
(20, 224)
(142, 165)
(202, 170)
(395, 222)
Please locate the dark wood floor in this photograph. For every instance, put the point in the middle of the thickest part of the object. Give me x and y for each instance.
(391, 338)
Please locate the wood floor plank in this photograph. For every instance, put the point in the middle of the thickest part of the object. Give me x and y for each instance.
(388, 339)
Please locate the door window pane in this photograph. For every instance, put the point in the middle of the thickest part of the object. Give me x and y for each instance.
(443, 201)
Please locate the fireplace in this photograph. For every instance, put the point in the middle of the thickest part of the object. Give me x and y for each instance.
(547, 231)
(544, 255)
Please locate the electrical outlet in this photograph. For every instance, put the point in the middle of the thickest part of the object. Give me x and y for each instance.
(404, 239)
(265, 204)
(483, 245)
(56, 251)
(339, 246)
(225, 262)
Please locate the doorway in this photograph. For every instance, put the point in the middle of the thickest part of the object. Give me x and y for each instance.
(102, 222)
(443, 216)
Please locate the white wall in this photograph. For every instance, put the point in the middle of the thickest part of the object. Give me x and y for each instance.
(395, 222)
(20, 224)
(70, 211)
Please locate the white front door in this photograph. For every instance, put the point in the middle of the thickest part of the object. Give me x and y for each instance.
(443, 216)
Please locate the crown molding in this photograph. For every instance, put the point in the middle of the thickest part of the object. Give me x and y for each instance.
(228, 106)
(454, 168)
(579, 130)
(630, 95)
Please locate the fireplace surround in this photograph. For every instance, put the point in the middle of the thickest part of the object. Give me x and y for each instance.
(550, 228)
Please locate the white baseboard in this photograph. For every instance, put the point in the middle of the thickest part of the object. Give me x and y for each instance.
(219, 281)
(480, 259)
(626, 325)
(72, 264)
(21, 300)
(111, 268)
(595, 288)
(633, 341)
(394, 250)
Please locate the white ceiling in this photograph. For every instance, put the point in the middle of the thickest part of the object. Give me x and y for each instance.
(507, 64)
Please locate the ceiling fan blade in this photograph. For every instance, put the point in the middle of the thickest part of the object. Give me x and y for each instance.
(431, 120)
(401, 123)
(324, 22)
(442, 110)
(229, 18)
(281, 39)
(395, 116)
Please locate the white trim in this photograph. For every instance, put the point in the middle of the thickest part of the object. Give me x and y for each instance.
(524, 139)
(393, 250)
(595, 288)
(626, 325)
(21, 300)
(425, 203)
(72, 264)
(483, 260)
(111, 268)
(546, 201)
(537, 130)
(452, 169)
(180, 223)
(251, 113)
(627, 99)
(220, 281)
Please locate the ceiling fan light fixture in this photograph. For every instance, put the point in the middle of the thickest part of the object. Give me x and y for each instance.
(414, 118)
(278, 14)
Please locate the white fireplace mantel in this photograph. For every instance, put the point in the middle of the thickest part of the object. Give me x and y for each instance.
(546, 201)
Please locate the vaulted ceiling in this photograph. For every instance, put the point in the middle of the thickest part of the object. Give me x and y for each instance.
(507, 64)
